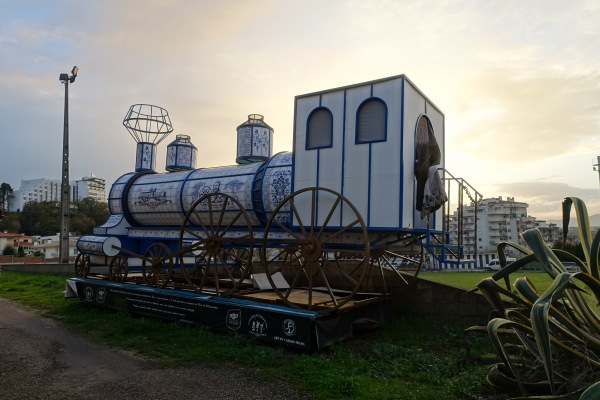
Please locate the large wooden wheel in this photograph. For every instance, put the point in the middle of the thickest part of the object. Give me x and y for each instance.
(157, 265)
(82, 265)
(218, 232)
(325, 255)
(405, 267)
(118, 269)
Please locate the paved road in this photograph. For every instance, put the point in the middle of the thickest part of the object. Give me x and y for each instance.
(40, 360)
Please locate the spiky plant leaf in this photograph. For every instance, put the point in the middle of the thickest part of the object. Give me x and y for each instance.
(495, 328)
(592, 392)
(541, 326)
(583, 223)
(594, 255)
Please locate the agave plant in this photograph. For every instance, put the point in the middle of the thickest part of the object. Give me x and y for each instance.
(548, 344)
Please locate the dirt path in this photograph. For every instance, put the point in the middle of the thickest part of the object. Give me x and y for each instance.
(40, 360)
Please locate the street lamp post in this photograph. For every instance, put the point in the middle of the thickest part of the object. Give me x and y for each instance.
(597, 167)
(63, 254)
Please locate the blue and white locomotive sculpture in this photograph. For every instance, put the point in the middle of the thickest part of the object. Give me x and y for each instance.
(362, 181)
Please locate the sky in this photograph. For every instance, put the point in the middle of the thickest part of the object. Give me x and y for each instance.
(518, 81)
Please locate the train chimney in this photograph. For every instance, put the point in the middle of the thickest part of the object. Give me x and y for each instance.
(181, 154)
(148, 125)
(254, 140)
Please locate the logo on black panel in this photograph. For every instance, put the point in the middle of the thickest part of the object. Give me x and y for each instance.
(258, 325)
(88, 294)
(101, 295)
(289, 327)
(234, 319)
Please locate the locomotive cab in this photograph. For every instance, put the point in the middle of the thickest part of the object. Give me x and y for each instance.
(361, 141)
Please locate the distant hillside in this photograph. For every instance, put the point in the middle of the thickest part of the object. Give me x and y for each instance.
(594, 221)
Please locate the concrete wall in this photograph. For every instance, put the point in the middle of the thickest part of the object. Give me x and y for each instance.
(439, 301)
(424, 297)
(40, 268)
(21, 260)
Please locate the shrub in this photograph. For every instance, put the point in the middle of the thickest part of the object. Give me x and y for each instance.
(8, 250)
(548, 343)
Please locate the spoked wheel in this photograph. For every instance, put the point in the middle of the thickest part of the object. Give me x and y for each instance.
(157, 265)
(82, 265)
(239, 262)
(118, 268)
(408, 260)
(324, 249)
(402, 266)
(218, 232)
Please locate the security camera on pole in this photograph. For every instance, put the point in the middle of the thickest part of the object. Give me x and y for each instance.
(64, 198)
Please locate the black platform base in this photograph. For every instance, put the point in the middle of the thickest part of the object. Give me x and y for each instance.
(300, 329)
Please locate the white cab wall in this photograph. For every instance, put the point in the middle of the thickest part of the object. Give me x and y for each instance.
(378, 177)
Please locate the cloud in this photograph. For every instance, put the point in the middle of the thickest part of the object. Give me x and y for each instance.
(545, 198)
(530, 118)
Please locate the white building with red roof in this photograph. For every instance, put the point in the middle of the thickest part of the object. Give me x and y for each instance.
(16, 240)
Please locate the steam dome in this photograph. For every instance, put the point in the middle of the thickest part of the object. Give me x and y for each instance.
(181, 154)
(254, 140)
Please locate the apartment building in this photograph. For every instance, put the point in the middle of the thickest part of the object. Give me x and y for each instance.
(34, 190)
(49, 190)
(89, 186)
(493, 221)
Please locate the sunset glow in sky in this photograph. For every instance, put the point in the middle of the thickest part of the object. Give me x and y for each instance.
(518, 82)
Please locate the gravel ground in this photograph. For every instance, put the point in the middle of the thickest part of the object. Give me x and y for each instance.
(40, 360)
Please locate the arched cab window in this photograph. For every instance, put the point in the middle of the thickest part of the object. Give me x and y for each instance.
(371, 121)
(319, 129)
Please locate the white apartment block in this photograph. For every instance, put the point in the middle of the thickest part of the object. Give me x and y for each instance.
(34, 190)
(89, 186)
(49, 190)
(493, 221)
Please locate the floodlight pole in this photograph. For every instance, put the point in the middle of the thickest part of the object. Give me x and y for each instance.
(63, 254)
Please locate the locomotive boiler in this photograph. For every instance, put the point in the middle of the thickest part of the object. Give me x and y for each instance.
(361, 184)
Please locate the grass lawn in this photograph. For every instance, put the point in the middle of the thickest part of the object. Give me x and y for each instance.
(410, 358)
(469, 280)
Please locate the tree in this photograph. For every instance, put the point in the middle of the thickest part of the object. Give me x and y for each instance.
(86, 214)
(21, 252)
(81, 224)
(95, 210)
(43, 218)
(10, 223)
(575, 249)
(6, 191)
(40, 218)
